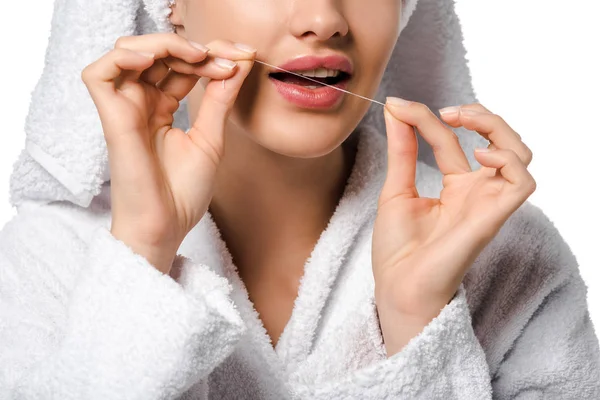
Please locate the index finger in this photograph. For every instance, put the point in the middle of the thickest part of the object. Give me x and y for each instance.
(449, 155)
(402, 149)
(163, 45)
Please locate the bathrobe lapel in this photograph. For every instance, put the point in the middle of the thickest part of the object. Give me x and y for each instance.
(356, 208)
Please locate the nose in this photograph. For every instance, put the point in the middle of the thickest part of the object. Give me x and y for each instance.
(317, 20)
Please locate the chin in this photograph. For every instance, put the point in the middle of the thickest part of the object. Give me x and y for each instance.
(267, 119)
(296, 133)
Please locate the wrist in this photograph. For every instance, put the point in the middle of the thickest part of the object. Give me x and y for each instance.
(398, 328)
(414, 303)
(402, 319)
(160, 255)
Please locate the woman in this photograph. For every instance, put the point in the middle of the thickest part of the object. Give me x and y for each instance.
(271, 250)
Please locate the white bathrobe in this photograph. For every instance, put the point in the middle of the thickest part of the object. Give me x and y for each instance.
(84, 317)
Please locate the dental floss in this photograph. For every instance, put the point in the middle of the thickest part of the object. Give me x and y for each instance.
(325, 84)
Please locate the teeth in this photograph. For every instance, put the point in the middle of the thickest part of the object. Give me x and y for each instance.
(320, 73)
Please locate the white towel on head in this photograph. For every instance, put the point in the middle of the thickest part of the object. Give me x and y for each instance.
(65, 156)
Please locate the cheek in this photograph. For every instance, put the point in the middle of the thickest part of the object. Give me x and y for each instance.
(233, 20)
(259, 111)
(375, 30)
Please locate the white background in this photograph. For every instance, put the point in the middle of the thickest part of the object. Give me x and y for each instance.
(533, 62)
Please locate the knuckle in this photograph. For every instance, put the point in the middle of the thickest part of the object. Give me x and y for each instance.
(117, 54)
(89, 71)
(421, 110)
(525, 159)
(453, 136)
(481, 107)
(121, 42)
(528, 154)
(533, 185)
(498, 119)
(517, 133)
(175, 37)
(420, 107)
(529, 185)
(166, 38)
(85, 74)
(166, 35)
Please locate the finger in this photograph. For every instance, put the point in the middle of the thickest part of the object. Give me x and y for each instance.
(164, 45)
(218, 100)
(402, 154)
(219, 65)
(513, 170)
(174, 74)
(179, 75)
(156, 72)
(494, 128)
(207, 67)
(448, 153)
(181, 79)
(183, 56)
(215, 66)
(491, 126)
(101, 77)
(480, 107)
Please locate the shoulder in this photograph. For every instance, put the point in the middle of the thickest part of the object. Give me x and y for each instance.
(526, 261)
(527, 254)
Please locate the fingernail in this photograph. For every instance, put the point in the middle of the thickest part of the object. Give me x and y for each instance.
(449, 110)
(397, 101)
(143, 53)
(224, 63)
(199, 46)
(245, 47)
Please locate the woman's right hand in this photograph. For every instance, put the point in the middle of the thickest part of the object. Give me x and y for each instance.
(162, 179)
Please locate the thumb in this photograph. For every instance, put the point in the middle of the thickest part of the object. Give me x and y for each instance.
(217, 103)
(402, 150)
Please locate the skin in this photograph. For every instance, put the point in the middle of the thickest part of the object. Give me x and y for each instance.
(272, 186)
(423, 247)
(279, 183)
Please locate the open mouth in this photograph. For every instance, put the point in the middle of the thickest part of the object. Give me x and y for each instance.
(308, 78)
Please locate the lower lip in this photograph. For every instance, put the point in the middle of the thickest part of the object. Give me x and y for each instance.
(324, 97)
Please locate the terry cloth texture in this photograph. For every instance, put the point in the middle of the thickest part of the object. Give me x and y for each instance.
(84, 317)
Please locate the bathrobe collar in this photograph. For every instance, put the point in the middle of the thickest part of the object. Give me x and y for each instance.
(355, 211)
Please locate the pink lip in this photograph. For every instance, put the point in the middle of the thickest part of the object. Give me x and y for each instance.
(321, 98)
(313, 62)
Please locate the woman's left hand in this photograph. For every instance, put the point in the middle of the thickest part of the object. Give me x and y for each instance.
(422, 247)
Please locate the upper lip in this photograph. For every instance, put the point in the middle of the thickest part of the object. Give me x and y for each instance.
(310, 62)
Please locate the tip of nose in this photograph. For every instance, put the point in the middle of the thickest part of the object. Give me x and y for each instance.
(315, 22)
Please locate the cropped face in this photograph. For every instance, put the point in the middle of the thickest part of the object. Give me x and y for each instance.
(346, 43)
